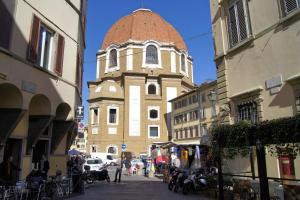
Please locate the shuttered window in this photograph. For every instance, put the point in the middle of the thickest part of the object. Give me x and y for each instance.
(60, 55)
(289, 6)
(41, 47)
(239, 28)
(34, 39)
(79, 72)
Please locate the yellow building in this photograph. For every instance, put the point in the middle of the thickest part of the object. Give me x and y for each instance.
(40, 80)
(258, 67)
(194, 114)
(142, 64)
(80, 142)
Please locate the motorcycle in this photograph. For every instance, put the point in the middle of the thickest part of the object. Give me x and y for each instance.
(91, 176)
(180, 180)
(174, 175)
(195, 182)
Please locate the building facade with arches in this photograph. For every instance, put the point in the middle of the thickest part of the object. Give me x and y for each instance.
(41, 55)
(142, 64)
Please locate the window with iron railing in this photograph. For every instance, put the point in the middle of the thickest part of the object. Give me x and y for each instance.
(248, 112)
(289, 6)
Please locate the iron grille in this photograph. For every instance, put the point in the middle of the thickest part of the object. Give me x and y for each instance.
(233, 26)
(291, 5)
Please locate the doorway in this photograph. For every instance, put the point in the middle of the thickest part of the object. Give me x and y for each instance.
(13, 147)
(41, 148)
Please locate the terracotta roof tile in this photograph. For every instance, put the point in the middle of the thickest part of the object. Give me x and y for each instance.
(143, 25)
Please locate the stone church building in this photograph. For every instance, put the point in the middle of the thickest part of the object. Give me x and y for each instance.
(142, 64)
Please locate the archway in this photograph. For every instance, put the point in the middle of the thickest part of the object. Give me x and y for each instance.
(61, 125)
(38, 131)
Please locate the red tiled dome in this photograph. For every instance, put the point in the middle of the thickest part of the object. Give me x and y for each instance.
(143, 25)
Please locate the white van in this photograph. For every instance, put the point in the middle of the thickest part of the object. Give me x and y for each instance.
(107, 158)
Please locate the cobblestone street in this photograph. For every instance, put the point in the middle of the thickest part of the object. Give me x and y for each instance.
(134, 188)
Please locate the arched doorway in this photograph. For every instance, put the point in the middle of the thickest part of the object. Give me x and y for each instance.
(11, 113)
(38, 132)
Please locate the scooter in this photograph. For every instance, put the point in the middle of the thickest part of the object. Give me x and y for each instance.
(180, 180)
(91, 176)
(174, 175)
(195, 182)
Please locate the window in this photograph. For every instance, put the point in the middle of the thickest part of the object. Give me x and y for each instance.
(112, 150)
(176, 134)
(196, 131)
(238, 22)
(204, 129)
(151, 55)
(289, 6)
(40, 49)
(190, 100)
(112, 115)
(175, 106)
(151, 89)
(183, 64)
(186, 133)
(153, 114)
(94, 116)
(113, 58)
(202, 113)
(195, 98)
(45, 47)
(248, 112)
(298, 101)
(153, 131)
(191, 132)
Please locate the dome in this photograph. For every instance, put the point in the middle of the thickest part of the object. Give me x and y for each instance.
(143, 25)
(109, 89)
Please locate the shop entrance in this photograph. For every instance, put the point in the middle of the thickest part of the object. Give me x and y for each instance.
(13, 147)
(41, 148)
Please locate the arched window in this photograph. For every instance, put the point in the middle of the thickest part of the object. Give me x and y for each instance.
(153, 114)
(151, 89)
(183, 67)
(112, 150)
(151, 55)
(113, 59)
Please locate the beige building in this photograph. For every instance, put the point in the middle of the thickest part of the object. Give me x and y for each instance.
(80, 142)
(257, 47)
(142, 64)
(194, 113)
(41, 53)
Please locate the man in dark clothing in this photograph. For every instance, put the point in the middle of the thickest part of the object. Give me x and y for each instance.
(119, 168)
(7, 169)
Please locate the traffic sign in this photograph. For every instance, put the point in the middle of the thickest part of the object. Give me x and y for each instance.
(123, 147)
(80, 127)
(79, 112)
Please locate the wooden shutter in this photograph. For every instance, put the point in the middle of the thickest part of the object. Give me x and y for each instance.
(34, 39)
(6, 22)
(60, 55)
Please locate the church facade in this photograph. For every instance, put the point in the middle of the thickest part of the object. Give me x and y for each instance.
(142, 64)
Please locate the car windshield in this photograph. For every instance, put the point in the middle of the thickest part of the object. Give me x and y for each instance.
(93, 162)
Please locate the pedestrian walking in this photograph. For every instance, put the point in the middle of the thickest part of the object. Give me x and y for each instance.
(119, 170)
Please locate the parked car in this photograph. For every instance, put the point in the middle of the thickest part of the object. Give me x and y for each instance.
(95, 164)
(107, 158)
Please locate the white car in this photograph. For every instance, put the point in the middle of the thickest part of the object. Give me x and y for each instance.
(105, 157)
(94, 163)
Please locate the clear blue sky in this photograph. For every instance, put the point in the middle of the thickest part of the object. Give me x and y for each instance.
(191, 18)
